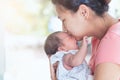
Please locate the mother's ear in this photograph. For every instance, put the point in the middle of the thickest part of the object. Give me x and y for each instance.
(84, 11)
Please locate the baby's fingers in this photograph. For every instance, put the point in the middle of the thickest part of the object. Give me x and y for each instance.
(85, 39)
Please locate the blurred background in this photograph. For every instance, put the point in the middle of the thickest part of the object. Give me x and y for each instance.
(24, 26)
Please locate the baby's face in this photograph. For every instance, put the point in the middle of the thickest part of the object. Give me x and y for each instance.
(69, 42)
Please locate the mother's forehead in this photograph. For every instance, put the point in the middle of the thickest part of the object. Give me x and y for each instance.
(62, 10)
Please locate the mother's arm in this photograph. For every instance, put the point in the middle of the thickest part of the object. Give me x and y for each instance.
(107, 71)
(52, 72)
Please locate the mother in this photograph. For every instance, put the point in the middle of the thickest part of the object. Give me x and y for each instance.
(90, 18)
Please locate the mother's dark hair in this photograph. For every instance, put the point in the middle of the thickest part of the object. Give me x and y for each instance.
(98, 6)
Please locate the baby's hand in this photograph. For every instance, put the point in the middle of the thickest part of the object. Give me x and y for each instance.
(85, 41)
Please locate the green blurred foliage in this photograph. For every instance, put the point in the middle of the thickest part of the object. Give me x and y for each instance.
(28, 17)
(46, 11)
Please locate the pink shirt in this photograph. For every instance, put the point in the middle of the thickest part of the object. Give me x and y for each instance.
(106, 49)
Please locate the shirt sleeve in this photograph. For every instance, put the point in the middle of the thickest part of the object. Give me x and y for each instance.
(109, 49)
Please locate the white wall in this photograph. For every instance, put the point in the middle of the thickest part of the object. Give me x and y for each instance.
(114, 8)
(2, 54)
(2, 50)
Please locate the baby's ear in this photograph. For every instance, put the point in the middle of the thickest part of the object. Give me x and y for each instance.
(61, 49)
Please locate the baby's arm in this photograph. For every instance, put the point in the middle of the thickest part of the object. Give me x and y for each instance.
(72, 60)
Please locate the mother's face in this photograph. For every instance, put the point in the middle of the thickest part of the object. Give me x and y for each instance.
(73, 22)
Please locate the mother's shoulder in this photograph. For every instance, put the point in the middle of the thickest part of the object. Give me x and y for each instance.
(115, 28)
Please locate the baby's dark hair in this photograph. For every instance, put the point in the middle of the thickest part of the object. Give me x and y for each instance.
(52, 43)
(98, 6)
